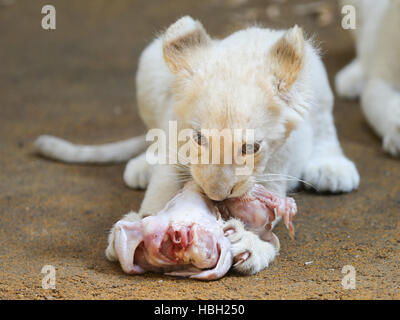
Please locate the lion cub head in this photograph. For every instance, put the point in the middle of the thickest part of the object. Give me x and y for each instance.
(249, 82)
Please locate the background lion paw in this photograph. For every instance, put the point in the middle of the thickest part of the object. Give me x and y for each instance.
(349, 81)
(391, 142)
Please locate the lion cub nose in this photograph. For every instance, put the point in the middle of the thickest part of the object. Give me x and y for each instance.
(218, 196)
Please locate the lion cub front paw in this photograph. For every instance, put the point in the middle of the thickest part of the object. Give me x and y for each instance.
(137, 173)
(333, 174)
(251, 254)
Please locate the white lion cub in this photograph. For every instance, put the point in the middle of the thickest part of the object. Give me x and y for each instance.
(374, 75)
(272, 82)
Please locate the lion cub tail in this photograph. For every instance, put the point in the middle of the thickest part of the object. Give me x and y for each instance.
(62, 150)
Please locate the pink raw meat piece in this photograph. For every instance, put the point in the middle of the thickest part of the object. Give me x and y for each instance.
(184, 239)
(258, 208)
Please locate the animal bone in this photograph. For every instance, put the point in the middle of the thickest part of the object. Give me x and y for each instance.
(187, 239)
(184, 239)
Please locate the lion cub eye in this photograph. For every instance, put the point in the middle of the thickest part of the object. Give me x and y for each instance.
(199, 138)
(250, 148)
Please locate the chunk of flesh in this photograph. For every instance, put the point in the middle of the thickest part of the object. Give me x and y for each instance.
(184, 239)
(258, 208)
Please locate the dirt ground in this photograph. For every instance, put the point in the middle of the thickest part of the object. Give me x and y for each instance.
(77, 82)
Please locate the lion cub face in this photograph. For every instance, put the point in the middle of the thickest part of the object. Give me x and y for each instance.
(240, 110)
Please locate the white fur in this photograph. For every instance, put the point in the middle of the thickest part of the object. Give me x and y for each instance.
(375, 73)
(312, 152)
(261, 253)
(349, 81)
(243, 75)
(66, 151)
(137, 172)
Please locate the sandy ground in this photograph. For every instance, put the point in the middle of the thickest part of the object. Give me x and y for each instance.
(77, 82)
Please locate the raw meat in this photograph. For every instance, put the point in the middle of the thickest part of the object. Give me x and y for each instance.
(258, 209)
(184, 239)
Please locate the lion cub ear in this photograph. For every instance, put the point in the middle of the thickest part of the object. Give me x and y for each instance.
(180, 38)
(286, 58)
